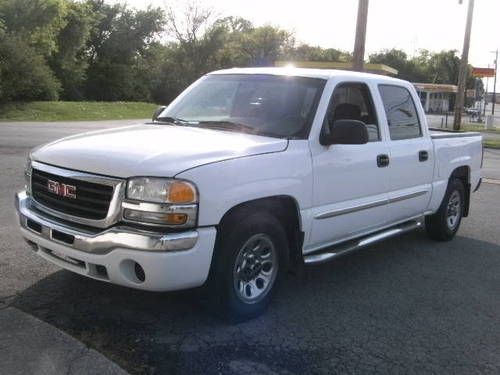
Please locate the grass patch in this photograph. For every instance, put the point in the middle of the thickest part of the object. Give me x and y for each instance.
(74, 111)
(479, 128)
(492, 143)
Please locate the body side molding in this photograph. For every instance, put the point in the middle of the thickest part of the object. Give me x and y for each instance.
(365, 206)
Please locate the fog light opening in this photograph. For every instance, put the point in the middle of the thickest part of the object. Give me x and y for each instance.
(139, 272)
(32, 245)
(34, 226)
(101, 271)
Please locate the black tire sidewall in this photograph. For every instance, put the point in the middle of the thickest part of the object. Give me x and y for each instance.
(437, 225)
(230, 241)
(455, 185)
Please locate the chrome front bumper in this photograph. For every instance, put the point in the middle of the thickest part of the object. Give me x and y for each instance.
(99, 241)
(120, 255)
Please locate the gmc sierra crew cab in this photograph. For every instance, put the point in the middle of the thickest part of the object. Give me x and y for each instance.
(247, 174)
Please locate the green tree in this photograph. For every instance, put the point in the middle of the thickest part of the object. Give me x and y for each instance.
(170, 77)
(443, 66)
(408, 69)
(24, 74)
(69, 63)
(264, 45)
(305, 52)
(118, 42)
(200, 44)
(231, 31)
(36, 22)
(28, 38)
(199, 37)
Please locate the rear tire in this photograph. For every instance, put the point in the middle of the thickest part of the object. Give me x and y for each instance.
(250, 261)
(444, 224)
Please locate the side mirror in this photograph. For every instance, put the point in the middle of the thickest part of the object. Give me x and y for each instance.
(346, 132)
(157, 112)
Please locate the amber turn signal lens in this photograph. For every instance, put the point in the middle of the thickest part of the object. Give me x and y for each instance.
(175, 219)
(156, 217)
(181, 192)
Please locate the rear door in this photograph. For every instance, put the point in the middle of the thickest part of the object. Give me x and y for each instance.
(411, 164)
(349, 187)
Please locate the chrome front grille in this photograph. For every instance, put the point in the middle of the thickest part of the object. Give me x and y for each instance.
(91, 200)
(94, 200)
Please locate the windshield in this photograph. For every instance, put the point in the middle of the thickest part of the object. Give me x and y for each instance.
(281, 106)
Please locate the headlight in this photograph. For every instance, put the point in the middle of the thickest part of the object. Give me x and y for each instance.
(160, 201)
(27, 176)
(160, 190)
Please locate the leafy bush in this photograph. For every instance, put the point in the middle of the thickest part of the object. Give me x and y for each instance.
(24, 74)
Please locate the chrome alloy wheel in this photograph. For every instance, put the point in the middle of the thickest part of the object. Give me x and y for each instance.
(454, 210)
(255, 268)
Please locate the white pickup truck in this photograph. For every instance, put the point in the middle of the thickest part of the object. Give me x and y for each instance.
(247, 174)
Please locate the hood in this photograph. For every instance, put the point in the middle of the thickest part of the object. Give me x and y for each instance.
(151, 150)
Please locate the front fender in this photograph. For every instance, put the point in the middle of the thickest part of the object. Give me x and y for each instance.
(226, 184)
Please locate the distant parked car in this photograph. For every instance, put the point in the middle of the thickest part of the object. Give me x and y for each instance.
(472, 111)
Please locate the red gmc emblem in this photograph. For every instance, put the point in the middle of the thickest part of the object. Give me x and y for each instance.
(63, 190)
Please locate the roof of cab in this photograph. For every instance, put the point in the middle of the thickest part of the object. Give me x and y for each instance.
(311, 73)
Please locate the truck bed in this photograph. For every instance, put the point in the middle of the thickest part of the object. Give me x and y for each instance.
(445, 133)
(453, 150)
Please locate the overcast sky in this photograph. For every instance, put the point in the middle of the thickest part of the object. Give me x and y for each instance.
(406, 24)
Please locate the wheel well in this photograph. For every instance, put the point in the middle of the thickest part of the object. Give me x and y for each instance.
(463, 174)
(285, 208)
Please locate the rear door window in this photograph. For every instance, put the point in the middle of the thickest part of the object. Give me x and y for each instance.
(401, 112)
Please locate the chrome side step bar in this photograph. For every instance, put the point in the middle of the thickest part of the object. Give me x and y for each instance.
(343, 248)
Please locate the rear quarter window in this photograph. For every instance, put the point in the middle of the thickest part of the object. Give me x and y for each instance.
(401, 112)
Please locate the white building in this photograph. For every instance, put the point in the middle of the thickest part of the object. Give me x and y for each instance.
(436, 98)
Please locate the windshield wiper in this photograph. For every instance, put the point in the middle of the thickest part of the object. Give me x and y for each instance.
(172, 120)
(227, 125)
(221, 125)
(236, 126)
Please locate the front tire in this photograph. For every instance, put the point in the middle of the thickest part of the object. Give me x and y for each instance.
(250, 261)
(444, 224)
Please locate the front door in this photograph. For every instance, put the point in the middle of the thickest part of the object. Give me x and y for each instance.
(350, 181)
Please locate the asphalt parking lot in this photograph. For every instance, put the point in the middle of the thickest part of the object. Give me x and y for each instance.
(408, 305)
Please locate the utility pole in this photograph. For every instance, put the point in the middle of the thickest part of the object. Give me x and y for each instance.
(486, 95)
(476, 94)
(359, 43)
(495, 83)
(462, 76)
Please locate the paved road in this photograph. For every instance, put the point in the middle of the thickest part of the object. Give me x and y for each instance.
(410, 305)
(438, 120)
(30, 346)
(491, 165)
